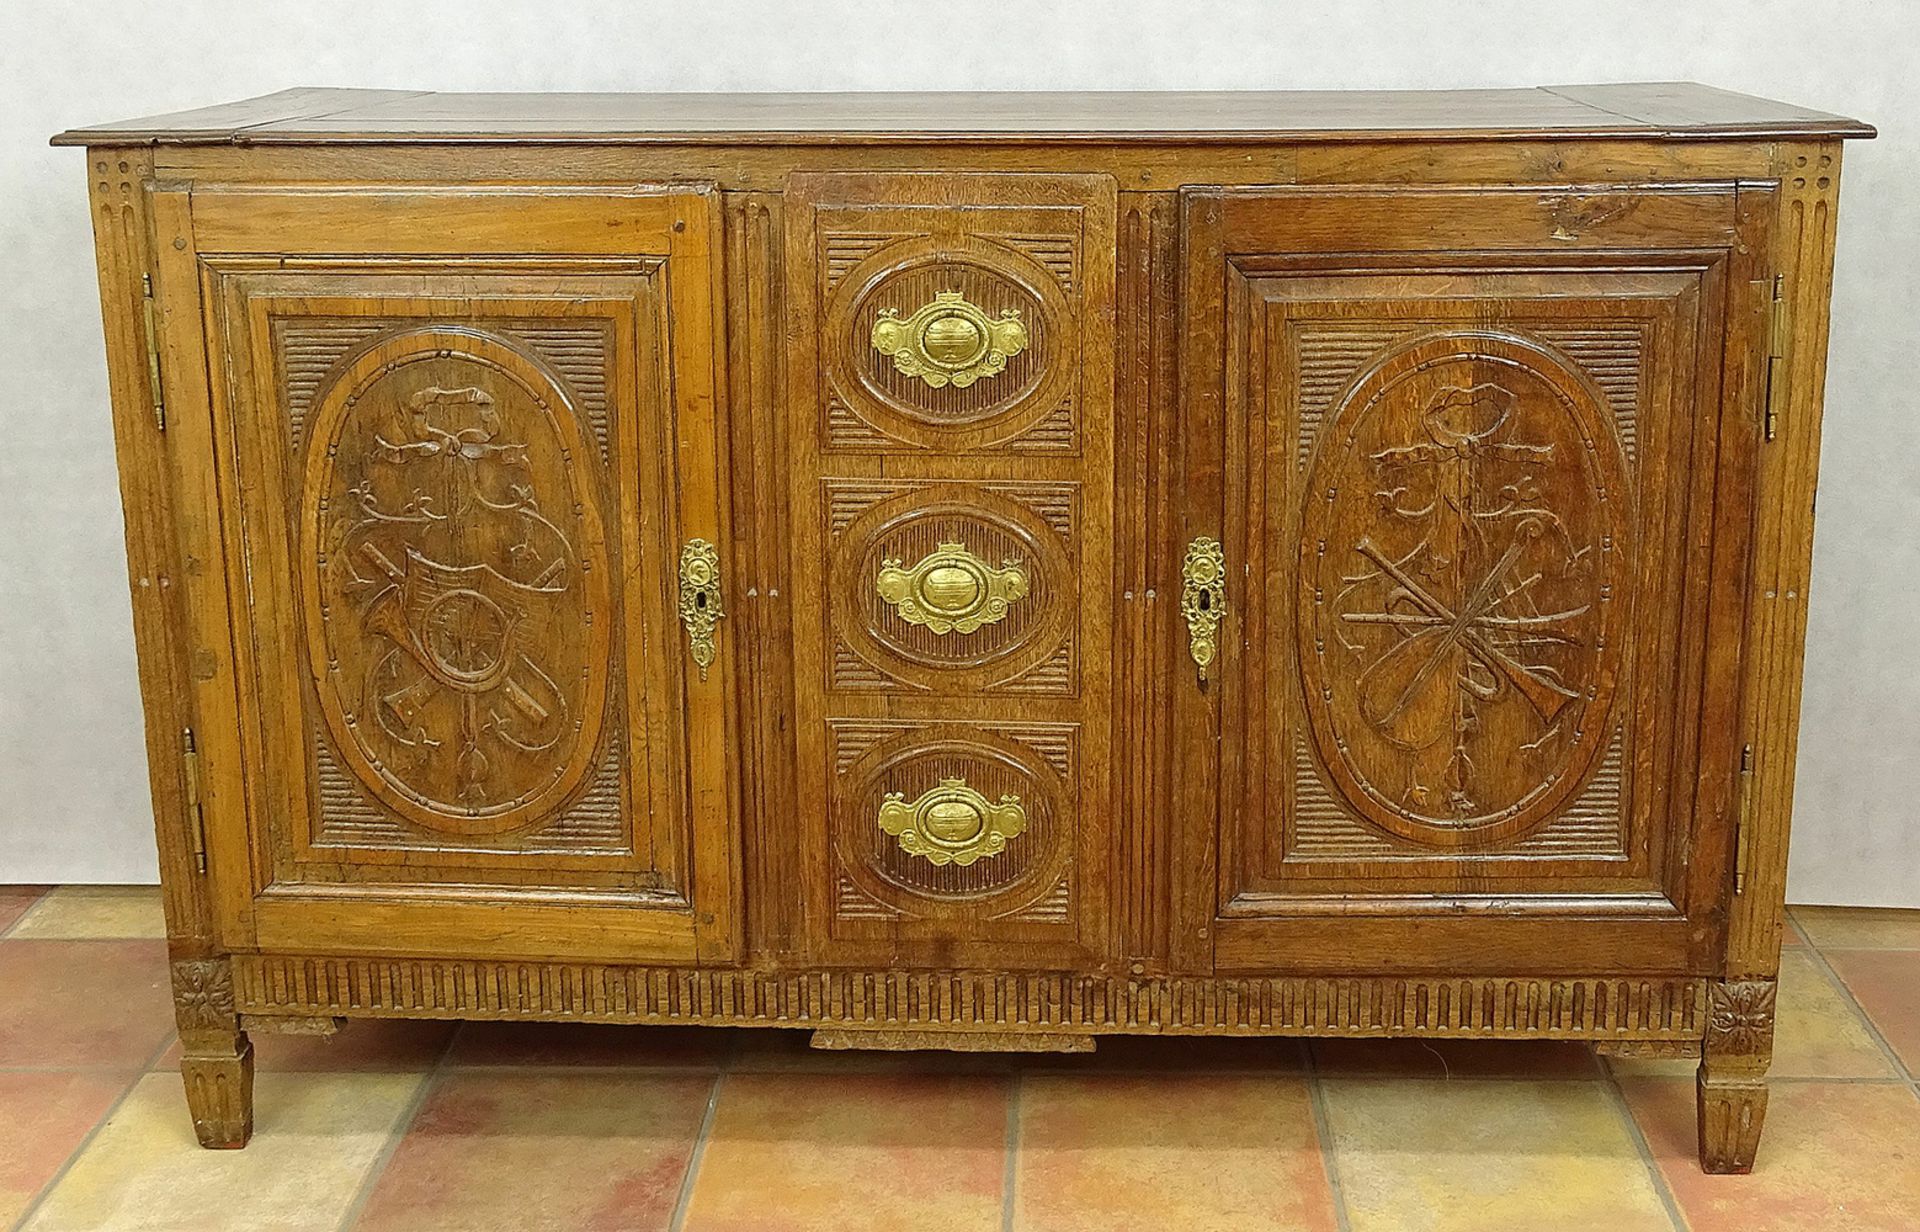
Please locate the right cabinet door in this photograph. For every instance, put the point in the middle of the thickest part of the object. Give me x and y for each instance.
(1464, 531)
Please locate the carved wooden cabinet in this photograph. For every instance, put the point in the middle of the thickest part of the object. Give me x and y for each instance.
(974, 571)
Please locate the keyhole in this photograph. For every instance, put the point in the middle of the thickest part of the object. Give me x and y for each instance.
(1206, 600)
(700, 600)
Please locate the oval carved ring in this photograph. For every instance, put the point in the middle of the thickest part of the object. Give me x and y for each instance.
(455, 586)
(1465, 577)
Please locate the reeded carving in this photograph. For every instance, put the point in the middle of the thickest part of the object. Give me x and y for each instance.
(951, 590)
(1484, 1007)
(949, 341)
(457, 598)
(1462, 582)
(952, 823)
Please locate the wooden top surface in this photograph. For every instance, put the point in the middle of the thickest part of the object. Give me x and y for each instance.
(1645, 110)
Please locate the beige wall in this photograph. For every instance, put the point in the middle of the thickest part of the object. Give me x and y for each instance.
(72, 788)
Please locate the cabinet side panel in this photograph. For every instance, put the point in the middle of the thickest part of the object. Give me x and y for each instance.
(155, 565)
(1789, 468)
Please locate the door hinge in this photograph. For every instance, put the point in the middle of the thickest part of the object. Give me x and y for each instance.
(1743, 814)
(1776, 354)
(150, 314)
(196, 820)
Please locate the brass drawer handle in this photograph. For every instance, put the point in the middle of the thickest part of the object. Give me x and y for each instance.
(953, 823)
(951, 590)
(949, 341)
(1203, 599)
(701, 604)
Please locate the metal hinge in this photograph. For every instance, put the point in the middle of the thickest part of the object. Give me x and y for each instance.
(1742, 815)
(196, 821)
(1776, 354)
(150, 313)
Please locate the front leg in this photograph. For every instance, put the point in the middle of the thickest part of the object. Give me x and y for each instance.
(1733, 1073)
(217, 1060)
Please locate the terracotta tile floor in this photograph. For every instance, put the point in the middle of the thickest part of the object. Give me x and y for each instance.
(432, 1126)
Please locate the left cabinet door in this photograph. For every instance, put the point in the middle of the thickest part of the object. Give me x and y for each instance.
(468, 475)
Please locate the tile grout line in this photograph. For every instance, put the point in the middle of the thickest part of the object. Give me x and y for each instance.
(73, 1157)
(1010, 1169)
(31, 907)
(684, 1200)
(1323, 1132)
(402, 1127)
(1618, 1097)
(1893, 1058)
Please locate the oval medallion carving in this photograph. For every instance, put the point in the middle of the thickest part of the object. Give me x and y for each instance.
(1464, 577)
(455, 580)
(953, 343)
(952, 587)
(952, 821)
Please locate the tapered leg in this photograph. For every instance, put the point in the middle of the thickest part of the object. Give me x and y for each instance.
(1733, 1073)
(217, 1060)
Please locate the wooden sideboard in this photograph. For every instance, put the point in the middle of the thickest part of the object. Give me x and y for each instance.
(974, 571)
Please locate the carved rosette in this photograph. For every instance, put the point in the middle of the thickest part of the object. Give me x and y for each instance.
(203, 994)
(1740, 1017)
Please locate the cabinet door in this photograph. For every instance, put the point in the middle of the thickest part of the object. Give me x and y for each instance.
(951, 392)
(1471, 464)
(468, 469)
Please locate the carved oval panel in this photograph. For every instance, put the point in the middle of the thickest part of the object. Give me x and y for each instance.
(456, 585)
(951, 586)
(948, 344)
(1465, 572)
(909, 804)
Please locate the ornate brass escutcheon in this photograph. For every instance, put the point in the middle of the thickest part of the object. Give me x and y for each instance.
(953, 823)
(951, 590)
(700, 603)
(1203, 599)
(949, 341)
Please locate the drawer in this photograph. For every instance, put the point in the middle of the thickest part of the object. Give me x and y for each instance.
(951, 314)
(955, 588)
(950, 408)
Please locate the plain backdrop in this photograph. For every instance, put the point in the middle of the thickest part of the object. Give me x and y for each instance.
(73, 795)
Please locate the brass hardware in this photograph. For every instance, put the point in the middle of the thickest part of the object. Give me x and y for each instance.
(149, 313)
(1776, 355)
(949, 341)
(951, 590)
(196, 819)
(953, 823)
(1742, 814)
(701, 606)
(1203, 599)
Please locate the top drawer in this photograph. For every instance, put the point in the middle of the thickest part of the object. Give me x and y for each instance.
(952, 314)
